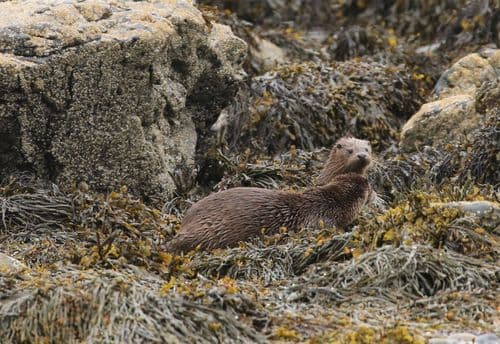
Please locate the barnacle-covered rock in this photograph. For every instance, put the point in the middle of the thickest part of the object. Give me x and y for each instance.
(96, 269)
(110, 93)
(454, 116)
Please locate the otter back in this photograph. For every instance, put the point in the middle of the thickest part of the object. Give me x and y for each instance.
(223, 219)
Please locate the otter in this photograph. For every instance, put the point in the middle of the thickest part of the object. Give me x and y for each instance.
(225, 218)
(347, 155)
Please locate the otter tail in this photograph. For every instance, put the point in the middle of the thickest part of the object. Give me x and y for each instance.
(179, 244)
(172, 246)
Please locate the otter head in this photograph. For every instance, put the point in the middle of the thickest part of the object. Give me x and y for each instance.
(355, 154)
(347, 155)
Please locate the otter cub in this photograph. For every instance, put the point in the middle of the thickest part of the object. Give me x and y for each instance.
(347, 155)
(225, 218)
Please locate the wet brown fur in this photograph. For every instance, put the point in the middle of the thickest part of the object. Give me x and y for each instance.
(225, 218)
(347, 155)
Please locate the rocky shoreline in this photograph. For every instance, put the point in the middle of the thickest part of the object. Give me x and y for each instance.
(115, 116)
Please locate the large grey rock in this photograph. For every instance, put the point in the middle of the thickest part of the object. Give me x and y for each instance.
(110, 93)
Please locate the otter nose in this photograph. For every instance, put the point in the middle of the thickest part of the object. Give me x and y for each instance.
(362, 157)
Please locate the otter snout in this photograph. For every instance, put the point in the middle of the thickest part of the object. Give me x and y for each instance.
(362, 157)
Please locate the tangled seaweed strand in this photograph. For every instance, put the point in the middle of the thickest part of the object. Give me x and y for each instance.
(455, 311)
(109, 306)
(460, 22)
(81, 227)
(288, 169)
(391, 273)
(35, 211)
(483, 161)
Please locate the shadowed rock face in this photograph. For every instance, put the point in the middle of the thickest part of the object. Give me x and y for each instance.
(107, 93)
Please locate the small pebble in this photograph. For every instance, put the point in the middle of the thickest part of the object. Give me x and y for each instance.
(487, 338)
(466, 338)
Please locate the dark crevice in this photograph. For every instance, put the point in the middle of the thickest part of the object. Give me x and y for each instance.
(71, 83)
(180, 66)
(204, 52)
(53, 167)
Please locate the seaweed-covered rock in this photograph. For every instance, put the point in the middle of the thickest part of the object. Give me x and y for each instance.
(259, 11)
(128, 306)
(336, 281)
(484, 158)
(110, 93)
(487, 212)
(308, 105)
(355, 41)
(453, 23)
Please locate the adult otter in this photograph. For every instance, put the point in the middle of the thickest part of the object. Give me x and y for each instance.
(347, 155)
(225, 218)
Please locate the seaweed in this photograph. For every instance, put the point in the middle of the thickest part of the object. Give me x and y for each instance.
(310, 105)
(392, 273)
(71, 305)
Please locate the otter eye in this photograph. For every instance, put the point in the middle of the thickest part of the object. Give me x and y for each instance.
(339, 146)
(350, 151)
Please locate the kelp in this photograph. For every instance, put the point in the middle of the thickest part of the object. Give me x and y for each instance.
(81, 226)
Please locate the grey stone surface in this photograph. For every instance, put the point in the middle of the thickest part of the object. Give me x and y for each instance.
(488, 338)
(466, 338)
(110, 92)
